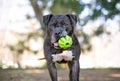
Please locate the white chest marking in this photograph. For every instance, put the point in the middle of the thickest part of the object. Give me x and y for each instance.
(65, 55)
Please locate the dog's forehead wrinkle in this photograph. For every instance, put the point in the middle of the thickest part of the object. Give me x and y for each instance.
(59, 18)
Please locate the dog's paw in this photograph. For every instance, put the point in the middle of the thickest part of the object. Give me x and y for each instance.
(68, 57)
(57, 57)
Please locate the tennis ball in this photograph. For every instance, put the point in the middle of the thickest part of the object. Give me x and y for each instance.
(65, 42)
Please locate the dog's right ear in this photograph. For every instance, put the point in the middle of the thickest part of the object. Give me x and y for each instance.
(72, 18)
(46, 19)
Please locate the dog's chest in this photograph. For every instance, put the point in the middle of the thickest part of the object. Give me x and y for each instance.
(65, 55)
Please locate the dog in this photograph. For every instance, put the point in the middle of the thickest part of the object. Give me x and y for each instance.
(59, 26)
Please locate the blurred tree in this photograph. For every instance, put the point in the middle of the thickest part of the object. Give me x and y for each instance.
(106, 8)
(38, 12)
(23, 45)
(1, 64)
(18, 50)
(96, 8)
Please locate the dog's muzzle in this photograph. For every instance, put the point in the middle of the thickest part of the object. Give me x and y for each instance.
(56, 36)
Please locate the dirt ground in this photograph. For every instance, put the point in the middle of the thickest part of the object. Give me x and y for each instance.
(43, 75)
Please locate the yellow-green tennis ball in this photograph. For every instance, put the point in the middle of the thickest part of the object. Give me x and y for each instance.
(65, 42)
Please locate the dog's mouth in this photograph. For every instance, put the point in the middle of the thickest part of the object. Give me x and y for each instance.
(55, 45)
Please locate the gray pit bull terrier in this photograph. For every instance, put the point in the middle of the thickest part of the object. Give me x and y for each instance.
(58, 26)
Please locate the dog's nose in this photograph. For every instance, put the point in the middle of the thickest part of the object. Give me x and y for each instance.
(57, 33)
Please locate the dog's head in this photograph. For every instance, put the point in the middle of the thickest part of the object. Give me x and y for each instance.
(58, 26)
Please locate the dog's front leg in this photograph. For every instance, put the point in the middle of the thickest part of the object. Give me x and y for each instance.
(74, 70)
(51, 65)
(53, 71)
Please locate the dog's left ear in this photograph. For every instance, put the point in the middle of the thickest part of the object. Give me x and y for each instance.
(46, 19)
(72, 18)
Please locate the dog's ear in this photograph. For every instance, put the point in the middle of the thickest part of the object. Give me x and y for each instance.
(72, 18)
(46, 19)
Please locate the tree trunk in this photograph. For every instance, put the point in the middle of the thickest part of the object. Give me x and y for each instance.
(38, 13)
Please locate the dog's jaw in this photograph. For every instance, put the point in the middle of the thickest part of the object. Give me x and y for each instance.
(66, 55)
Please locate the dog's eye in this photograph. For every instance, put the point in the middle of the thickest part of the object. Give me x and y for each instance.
(67, 29)
(51, 24)
(63, 23)
(66, 24)
(54, 24)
